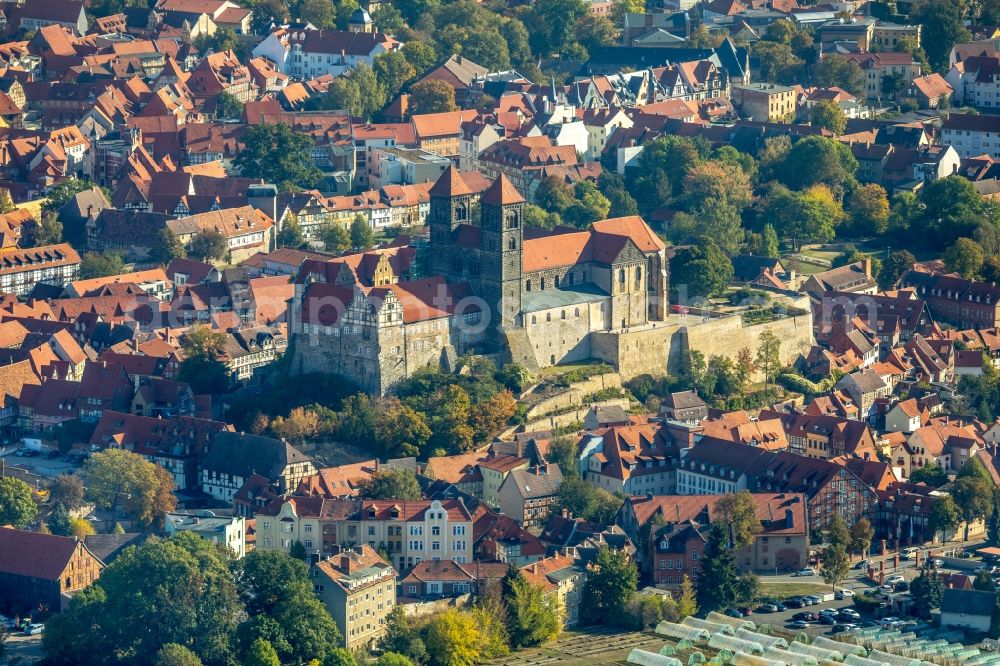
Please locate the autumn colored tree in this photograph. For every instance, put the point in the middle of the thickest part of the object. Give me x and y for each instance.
(432, 96)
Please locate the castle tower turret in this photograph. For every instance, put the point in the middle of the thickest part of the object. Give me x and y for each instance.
(501, 214)
(451, 205)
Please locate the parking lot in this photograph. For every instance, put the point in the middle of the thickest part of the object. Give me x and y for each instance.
(39, 464)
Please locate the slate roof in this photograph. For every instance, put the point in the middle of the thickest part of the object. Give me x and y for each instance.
(240, 454)
(968, 602)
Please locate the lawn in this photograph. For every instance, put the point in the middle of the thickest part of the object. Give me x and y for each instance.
(785, 590)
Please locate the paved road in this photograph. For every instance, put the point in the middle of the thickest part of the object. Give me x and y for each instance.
(27, 649)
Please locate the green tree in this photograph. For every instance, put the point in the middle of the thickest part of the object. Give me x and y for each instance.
(952, 208)
(553, 24)
(740, 513)
(817, 160)
(453, 639)
(59, 521)
(965, 257)
(282, 608)
(321, 13)
(362, 235)
(393, 659)
(261, 653)
(227, 106)
(115, 475)
(67, 489)
(983, 582)
(267, 13)
(973, 493)
(208, 245)
(944, 516)
(893, 268)
(291, 233)
(431, 96)
(279, 155)
(64, 191)
(166, 248)
(173, 654)
(335, 237)
(943, 26)
(298, 551)
(834, 71)
(587, 501)
(719, 584)
(778, 62)
(401, 638)
(836, 532)
(621, 7)
(768, 359)
(589, 205)
(399, 484)
(48, 231)
(178, 590)
(700, 270)
(421, 54)
(393, 71)
(861, 536)
(609, 586)
(835, 565)
(340, 657)
(926, 590)
(770, 246)
(869, 207)
(532, 618)
(828, 115)
(6, 202)
(95, 265)
(931, 474)
(202, 366)
(17, 504)
(687, 602)
(400, 430)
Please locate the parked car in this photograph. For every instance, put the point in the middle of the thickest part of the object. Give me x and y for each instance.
(843, 594)
(812, 600)
(828, 611)
(33, 629)
(798, 624)
(848, 615)
(806, 616)
(886, 589)
(863, 564)
(909, 553)
(828, 620)
(889, 622)
(780, 606)
(732, 612)
(901, 586)
(893, 579)
(841, 628)
(868, 623)
(745, 611)
(805, 571)
(937, 563)
(795, 602)
(767, 608)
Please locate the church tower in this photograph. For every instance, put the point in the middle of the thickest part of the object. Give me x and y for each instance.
(451, 205)
(501, 214)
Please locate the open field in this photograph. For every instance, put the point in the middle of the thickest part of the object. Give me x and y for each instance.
(783, 590)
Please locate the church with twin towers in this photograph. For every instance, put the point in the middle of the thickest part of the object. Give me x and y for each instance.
(488, 284)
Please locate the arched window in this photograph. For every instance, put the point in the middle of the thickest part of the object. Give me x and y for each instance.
(562, 314)
(557, 282)
(577, 313)
(527, 285)
(513, 220)
(621, 277)
(548, 316)
(638, 277)
(461, 212)
(533, 320)
(512, 244)
(543, 284)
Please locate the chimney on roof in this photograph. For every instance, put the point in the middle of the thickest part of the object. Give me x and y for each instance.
(789, 519)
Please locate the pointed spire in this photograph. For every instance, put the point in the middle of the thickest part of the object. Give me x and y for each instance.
(502, 192)
(450, 184)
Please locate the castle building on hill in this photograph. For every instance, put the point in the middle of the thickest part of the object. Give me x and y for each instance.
(542, 294)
